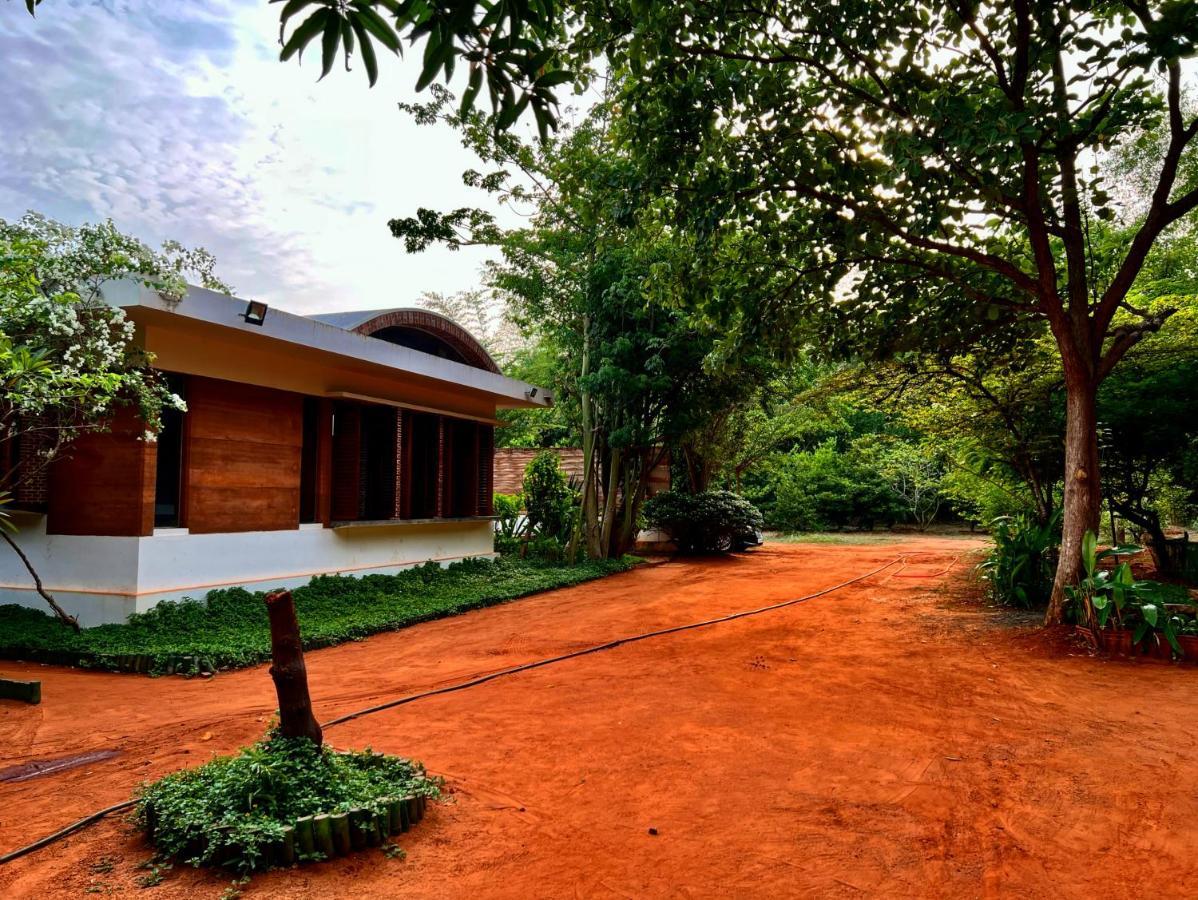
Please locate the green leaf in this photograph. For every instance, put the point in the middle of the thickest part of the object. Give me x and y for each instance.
(378, 26)
(303, 35)
(367, 50)
(472, 89)
(1171, 637)
(1089, 546)
(432, 60)
(329, 44)
(292, 7)
(508, 114)
(1150, 614)
(555, 78)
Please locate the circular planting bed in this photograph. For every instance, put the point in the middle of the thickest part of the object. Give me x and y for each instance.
(280, 802)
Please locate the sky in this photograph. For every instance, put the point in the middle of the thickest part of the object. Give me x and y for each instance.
(176, 119)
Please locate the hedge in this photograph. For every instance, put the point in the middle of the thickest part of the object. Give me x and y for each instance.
(230, 629)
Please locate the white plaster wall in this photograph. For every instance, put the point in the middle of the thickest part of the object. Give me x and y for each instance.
(173, 561)
(93, 578)
(104, 579)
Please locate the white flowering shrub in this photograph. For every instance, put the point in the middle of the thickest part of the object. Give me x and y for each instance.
(67, 359)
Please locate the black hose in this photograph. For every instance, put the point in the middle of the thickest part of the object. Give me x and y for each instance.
(70, 829)
(482, 679)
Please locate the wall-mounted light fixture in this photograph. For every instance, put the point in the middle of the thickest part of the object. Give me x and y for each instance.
(255, 312)
(530, 393)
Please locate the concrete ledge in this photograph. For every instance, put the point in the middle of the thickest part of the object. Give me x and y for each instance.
(28, 691)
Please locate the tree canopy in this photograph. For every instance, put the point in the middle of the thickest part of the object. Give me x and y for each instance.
(68, 360)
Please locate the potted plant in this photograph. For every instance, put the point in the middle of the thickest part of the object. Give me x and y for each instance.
(1108, 597)
(1186, 628)
(1157, 626)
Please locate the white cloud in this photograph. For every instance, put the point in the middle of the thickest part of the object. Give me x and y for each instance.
(179, 121)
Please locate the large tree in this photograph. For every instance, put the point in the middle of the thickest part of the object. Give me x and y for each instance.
(939, 167)
(614, 292)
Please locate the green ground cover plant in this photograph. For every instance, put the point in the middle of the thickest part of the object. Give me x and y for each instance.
(234, 811)
(231, 630)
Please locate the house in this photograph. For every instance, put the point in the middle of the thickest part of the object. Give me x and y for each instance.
(352, 443)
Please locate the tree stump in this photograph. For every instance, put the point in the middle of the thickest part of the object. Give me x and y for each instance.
(288, 670)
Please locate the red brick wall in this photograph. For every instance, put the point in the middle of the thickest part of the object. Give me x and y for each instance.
(510, 465)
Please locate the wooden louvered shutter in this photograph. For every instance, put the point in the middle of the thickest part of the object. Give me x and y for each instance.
(442, 478)
(486, 470)
(400, 457)
(407, 483)
(347, 463)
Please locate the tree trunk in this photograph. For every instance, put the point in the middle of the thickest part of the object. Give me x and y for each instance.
(61, 613)
(288, 670)
(1147, 523)
(610, 500)
(1083, 495)
(585, 529)
(1163, 561)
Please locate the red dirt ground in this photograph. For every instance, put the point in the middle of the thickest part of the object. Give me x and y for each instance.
(891, 739)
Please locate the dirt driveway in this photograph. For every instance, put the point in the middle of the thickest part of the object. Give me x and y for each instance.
(889, 740)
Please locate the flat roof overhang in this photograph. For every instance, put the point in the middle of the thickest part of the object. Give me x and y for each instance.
(210, 313)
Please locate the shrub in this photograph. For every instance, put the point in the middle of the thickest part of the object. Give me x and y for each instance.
(231, 629)
(507, 546)
(705, 522)
(824, 488)
(233, 810)
(508, 510)
(1020, 567)
(548, 498)
(548, 549)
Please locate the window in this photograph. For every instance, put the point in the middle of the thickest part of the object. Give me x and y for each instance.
(393, 463)
(168, 486)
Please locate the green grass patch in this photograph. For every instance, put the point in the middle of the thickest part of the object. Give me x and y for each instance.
(237, 811)
(862, 537)
(231, 630)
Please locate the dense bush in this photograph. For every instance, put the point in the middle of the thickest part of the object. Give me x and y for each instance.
(232, 810)
(825, 489)
(232, 630)
(548, 498)
(1020, 567)
(704, 522)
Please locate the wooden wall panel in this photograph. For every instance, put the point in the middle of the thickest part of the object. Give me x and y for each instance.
(104, 485)
(243, 457)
